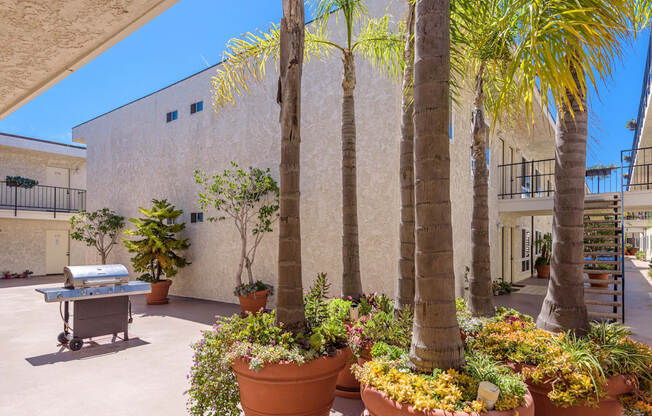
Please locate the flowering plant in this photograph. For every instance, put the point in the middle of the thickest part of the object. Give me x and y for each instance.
(378, 323)
(260, 340)
(449, 390)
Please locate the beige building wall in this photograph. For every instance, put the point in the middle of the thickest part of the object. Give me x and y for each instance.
(23, 237)
(134, 156)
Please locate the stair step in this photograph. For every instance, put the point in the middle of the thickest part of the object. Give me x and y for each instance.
(602, 253)
(594, 236)
(616, 229)
(614, 272)
(589, 221)
(605, 244)
(604, 315)
(606, 282)
(601, 261)
(603, 302)
(605, 291)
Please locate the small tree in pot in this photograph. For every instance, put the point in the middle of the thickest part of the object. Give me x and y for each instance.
(97, 229)
(542, 263)
(250, 198)
(157, 249)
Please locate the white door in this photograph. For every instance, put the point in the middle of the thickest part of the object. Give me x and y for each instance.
(56, 251)
(58, 197)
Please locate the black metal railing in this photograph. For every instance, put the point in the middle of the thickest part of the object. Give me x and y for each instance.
(637, 168)
(643, 102)
(528, 179)
(536, 179)
(42, 198)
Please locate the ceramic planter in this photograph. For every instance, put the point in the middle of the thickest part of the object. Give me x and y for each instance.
(159, 295)
(289, 388)
(608, 406)
(254, 302)
(633, 251)
(598, 276)
(347, 385)
(543, 272)
(378, 404)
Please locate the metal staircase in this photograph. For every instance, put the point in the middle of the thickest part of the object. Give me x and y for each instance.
(603, 253)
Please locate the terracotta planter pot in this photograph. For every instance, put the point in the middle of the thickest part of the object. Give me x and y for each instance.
(633, 251)
(254, 302)
(347, 385)
(543, 272)
(599, 276)
(608, 406)
(365, 355)
(159, 295)
(377, 404)
(288, 388)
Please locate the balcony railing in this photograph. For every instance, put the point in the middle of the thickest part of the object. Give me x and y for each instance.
(536, 179)
(42, 198)
(637, 168)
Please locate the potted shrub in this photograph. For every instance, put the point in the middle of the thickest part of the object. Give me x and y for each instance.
(598, 272)
(376, 323)
(256, 361)
(99, 229)
(250, 198)
(6, 274)
(501, 287)
(542, 263)
(628, 249)
(157, 247)
(20, 182)
(28, 273)
(389, 387)
(603, 373)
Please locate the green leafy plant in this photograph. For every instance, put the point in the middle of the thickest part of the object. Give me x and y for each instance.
(157, 245)
(20, 182)
(246, 289)
(382, 325)
(248, 197)
(99, 229)
(260, 340)
(501, 287)
(546, 250)
(640, 255)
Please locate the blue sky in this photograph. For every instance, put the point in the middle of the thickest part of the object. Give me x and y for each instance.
(191, 35)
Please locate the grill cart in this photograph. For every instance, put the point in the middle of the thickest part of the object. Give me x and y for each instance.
(101, 302)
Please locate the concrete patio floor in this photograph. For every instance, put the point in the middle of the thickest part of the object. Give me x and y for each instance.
(147, 374)
(143, 376)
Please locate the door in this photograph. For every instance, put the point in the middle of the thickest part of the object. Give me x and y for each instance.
(59, 178)
(56, 251)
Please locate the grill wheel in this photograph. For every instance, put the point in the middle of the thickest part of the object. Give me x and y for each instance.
(63, 338)
(76, 344)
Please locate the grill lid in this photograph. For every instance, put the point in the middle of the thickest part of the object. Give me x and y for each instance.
(99, 275)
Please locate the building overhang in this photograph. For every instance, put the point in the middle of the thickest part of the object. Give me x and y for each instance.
(44, 41)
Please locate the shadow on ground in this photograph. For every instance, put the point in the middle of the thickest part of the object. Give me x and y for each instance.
(190, 309)
(91, 349)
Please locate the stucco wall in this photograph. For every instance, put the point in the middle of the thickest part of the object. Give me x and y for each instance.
(134, 156)
(33, 164)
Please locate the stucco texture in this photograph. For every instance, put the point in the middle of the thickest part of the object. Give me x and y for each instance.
(134, 156)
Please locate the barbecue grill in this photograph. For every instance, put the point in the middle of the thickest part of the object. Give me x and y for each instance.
(101, 302)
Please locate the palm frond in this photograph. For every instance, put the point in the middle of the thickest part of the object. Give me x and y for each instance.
(352, 11)
(246, 58)
(382, 46)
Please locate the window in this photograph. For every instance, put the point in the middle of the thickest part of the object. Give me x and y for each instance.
(525, 252)
(196, 217)
(196, 107)
(171, 116)
(169, 221)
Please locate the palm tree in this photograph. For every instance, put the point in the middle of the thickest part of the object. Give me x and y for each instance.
(484, 36)
(436, 341)
(405, 281)
(375, 41)
(290, 290)
(565, 46)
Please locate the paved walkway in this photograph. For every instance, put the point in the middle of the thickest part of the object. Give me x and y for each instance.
(143, 376)
(638, 303)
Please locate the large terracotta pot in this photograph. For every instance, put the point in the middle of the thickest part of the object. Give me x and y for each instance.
(378, 404)
(289, 388)
(608, 406)
(347, 385)
(633, 251)
(599, 276)
(254, 302)
(159, 295)
(543, 272)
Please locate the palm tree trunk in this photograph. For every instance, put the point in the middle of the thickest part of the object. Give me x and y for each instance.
(481, 299)
(405, 282)
(289, 305)
(563, 307)
(351, 285)
(436, 341)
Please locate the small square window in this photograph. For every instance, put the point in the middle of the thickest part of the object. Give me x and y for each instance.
(171, 116)
(196, 107)
(196, 217)
(200, 217)
(193, 217)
